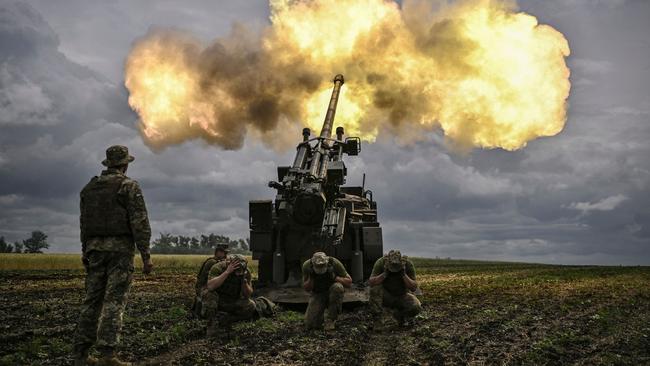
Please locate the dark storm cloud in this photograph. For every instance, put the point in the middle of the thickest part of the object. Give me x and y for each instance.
(579, 197)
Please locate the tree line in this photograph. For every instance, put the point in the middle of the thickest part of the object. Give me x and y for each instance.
(204, 244)
(36, 243)
(165, 244)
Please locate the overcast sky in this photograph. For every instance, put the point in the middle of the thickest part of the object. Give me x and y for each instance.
(579, 197)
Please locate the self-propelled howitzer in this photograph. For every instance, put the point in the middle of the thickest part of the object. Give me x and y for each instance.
(312, 212)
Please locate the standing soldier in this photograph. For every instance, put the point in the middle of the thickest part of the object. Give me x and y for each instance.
(392, 285)
(113, 222)
(228, 292)
(220, 254)
(325, 277)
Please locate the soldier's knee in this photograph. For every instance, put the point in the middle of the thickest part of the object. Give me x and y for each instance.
(337, 288)
(413, 306)
(414, 310)
(209, 304)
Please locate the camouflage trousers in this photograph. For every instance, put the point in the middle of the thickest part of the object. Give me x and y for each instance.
(405, 306)
(108, 280)
(238, 309)
(327, 303)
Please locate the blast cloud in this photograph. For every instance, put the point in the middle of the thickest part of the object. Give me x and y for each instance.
(488, 76)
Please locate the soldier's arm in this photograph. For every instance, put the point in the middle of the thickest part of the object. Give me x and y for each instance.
(82, 233)
(342, 275)
(138, 219)
(82, 228)
(247, 288)
(307, 280)
(409, 277)
(378, 274)
(216, 282)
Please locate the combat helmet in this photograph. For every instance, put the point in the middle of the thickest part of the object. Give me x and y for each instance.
(394, 261)
(243, 263)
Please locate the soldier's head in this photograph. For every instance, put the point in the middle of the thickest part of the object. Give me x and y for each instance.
(221, 251)
(243, 263)
(319, 262)
(394, 261)
(118, 157)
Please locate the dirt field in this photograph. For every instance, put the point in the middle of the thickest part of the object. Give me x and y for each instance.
(475, 313)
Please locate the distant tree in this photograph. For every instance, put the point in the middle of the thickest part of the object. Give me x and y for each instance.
(205, 241)
(18, 247)
(203, 244)
(243, 244)
(195, 243)
(4, 247)
(36, 243)
(184, 242)
(164, 243)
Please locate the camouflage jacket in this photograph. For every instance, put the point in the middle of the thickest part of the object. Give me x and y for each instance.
(230, 290)
(129, 196)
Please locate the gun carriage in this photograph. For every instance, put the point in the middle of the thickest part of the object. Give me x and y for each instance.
(314, 211)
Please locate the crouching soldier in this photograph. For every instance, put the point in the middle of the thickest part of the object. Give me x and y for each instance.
(220, 254)
(325, 277)
(392, 285)
(227, 295)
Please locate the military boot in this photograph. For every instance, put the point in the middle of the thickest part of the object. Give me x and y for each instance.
(81, 357)
(213, 328)
(329, 325)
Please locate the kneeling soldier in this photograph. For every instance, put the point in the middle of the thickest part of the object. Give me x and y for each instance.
(325, 277)
(220, 254)
(228, 291)
(392, 285)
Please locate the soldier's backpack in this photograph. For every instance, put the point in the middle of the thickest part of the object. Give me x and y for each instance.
(201, 282)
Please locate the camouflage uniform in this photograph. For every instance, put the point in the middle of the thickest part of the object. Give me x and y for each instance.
(113, 223)
(220, 254)
(327, 294)
(227, 298)
(392, 292)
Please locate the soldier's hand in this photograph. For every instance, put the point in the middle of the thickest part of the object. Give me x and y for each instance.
(232, 267)
(147, 266)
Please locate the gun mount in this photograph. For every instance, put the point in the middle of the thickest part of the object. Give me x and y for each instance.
(312, 212)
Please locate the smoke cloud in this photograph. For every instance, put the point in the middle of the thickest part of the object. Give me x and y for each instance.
(487, 75)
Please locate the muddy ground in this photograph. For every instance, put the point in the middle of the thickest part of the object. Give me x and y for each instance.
(474, 313)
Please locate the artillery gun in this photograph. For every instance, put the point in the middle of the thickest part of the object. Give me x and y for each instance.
(313, 212)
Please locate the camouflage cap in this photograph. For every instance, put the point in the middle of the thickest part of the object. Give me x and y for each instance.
(117, 155)
(243, 263)
(222, 246)
(394, 261)
(319, 262)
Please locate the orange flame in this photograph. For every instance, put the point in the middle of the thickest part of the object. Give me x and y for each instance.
(485, 74)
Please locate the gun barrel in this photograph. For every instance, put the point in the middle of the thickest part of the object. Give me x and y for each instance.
(326, 132)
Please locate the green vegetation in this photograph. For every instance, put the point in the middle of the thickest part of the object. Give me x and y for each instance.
(475, 312)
